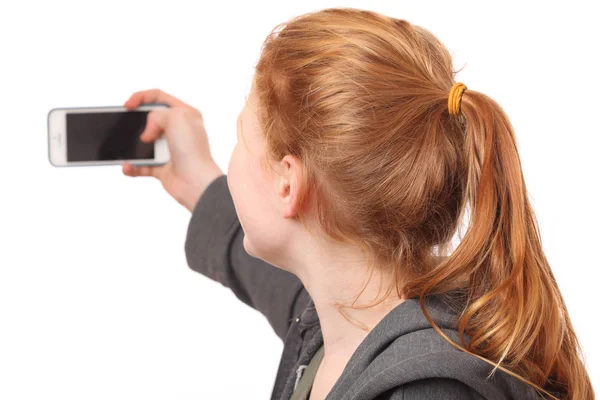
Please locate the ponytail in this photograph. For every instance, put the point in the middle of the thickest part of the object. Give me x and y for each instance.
(512, 310)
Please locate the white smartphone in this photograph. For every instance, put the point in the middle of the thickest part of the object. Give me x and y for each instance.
(107, 135)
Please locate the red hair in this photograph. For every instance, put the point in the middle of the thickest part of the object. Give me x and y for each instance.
(361, 99)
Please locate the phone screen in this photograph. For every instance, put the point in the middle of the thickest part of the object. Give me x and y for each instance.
(104, 136)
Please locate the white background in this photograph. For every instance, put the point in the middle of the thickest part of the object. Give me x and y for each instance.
(96, 299)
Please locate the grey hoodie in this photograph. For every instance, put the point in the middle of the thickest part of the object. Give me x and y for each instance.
(402, 357)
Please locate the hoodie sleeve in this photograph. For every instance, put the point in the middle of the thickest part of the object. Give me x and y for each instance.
(214, 248)
(435, 389)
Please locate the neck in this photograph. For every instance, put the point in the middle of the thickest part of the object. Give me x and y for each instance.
(338, 275)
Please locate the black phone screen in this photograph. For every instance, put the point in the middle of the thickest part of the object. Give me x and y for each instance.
(104, 136)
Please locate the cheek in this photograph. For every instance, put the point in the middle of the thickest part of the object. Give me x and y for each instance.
(250, 196)
(235, 180)
(243, 190)
(232, 165)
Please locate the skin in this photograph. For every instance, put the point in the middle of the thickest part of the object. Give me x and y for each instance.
(266, 200)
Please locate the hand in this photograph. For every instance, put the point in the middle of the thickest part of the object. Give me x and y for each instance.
(191, 167)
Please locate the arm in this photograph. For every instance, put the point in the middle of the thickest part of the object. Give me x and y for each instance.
(214, 247)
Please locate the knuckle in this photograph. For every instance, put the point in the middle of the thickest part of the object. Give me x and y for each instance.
(181, 112)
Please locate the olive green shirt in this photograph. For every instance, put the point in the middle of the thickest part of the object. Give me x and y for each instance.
(305, 383)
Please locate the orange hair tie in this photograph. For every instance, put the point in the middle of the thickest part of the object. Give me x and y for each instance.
(454, 98)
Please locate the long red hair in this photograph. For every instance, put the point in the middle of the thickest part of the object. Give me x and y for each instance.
(361, 99)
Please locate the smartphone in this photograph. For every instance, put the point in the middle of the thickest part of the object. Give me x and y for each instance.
(106, 135)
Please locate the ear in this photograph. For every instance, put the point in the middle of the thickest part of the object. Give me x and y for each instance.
(289, 185)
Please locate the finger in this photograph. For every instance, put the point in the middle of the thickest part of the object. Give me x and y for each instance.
(153, 96)
(129, 169)
(145, 170)
(156, 124)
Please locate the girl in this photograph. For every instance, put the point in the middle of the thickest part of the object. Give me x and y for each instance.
(358, 157)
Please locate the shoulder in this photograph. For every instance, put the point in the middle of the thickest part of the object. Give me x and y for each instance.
(431, 368)
(434, 389)
(407, 359)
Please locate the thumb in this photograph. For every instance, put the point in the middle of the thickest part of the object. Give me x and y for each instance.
(156, 124)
